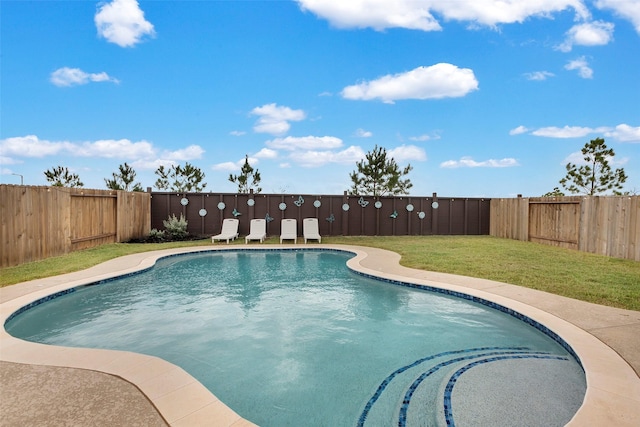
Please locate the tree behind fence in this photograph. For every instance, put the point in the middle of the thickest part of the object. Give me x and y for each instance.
(337, 214)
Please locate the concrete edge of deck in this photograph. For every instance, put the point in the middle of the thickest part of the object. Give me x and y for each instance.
(613, 387)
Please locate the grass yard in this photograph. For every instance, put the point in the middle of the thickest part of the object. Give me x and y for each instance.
(588, 277)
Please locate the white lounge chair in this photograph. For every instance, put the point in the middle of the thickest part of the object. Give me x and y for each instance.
(257, 230)
(289, 230)
(229, 230)
(310, 230)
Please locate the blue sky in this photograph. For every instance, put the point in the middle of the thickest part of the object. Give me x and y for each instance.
(483, 98)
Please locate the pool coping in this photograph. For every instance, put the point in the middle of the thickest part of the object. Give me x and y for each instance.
(613, 387)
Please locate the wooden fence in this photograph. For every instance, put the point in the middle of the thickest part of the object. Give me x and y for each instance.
(338, 214)
(41, 222)
(602, 225)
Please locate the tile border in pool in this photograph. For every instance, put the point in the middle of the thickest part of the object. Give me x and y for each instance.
(613, 388)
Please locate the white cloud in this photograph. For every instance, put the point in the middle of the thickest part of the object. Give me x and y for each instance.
(237, 133)
(419, 15)
(227, 166)
(274, 119)
(564, 132)
(596, 33)
(9, 161)
(494, 12)
(435, 82)
(314, 158)
(538, 75)
(122, 22)
(519, 130)
(189, 153)
(629, 9)
(361, 133)
(578, 158)
(305, 143)
(373, 13)
(621, 132)
(266, 153)
(424, 137)
(625, 133)
(152, 163)
(140, 154)
(468, 162)
(31, 146)
(66, 76)
(582, 66)
(568, 131)
(149, 161)
(115, 149)
(406, 153)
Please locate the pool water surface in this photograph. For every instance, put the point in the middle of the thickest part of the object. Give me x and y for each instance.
(284, 336)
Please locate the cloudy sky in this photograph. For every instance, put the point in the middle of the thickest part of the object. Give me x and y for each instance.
(484, 98)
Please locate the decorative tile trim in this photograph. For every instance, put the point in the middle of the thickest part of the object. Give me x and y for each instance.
(383, 385)
(38, 302)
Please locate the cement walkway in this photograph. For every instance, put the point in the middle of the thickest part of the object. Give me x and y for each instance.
(47, 385)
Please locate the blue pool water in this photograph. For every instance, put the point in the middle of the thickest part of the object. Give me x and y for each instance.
(294, 338)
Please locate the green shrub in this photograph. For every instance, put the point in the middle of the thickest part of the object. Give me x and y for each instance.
(175, 228)
(156, 236)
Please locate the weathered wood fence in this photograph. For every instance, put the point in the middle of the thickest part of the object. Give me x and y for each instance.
(338, 214)
(602, 225)
(41, 222)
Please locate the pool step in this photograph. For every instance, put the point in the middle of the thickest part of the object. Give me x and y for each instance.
(421, 392)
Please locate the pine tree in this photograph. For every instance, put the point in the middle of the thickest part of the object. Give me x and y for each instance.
(248, 179)
(124, 179)
(61, 177)
(181, 179)
(377, 175)
(595, 176)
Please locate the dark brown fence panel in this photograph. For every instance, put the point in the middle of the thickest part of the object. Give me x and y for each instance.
(443, 215)
(337, 214)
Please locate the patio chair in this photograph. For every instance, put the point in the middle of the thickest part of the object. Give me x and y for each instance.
(310, 230)
(289, 230)
(257, 230)
(229, 230)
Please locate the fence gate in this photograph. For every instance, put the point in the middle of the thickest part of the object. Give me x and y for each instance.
(93, 219)
(555, 221)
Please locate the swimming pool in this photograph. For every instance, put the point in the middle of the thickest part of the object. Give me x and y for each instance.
(331, 348)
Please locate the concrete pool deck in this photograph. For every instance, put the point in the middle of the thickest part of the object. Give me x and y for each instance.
(49, 385)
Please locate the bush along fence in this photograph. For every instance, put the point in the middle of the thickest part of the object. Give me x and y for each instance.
(42, 222)
(604, 225)
(344, 215)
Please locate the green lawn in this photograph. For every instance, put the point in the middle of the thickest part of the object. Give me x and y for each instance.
(594, 278)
